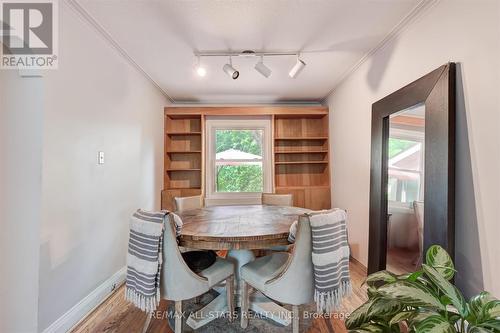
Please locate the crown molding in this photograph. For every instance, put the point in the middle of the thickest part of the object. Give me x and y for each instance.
(80, 10)
(402, 25)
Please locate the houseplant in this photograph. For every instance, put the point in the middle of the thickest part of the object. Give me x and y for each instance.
(424, 301)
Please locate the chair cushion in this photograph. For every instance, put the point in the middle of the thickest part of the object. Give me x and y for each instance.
(219, 271)
(263, 269)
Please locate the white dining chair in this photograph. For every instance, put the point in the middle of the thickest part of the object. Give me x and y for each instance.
(284, 277)
(273, 199)
(188, 203)
(179, 283)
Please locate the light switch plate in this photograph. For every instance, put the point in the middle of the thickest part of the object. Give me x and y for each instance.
(100, 157)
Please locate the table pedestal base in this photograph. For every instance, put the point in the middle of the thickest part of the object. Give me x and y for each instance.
(259, 303)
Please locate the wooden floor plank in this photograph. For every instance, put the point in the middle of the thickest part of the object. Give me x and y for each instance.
(116, 315)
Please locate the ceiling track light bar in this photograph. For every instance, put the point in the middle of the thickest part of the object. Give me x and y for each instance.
(245, 54)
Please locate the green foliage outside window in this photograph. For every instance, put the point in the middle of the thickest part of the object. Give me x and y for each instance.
(239, 178)
(397, 146)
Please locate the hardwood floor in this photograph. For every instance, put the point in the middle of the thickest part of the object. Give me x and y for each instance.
(401, 261)
(116, 315)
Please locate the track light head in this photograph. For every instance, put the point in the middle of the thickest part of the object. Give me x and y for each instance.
(263, 69)
(297, 68)
(200, 70)
(230, 70)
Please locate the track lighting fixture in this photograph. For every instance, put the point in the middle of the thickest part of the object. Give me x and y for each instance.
(230, 70)
(297, 68)
(260, 67)
(263, 69)
(200, 70)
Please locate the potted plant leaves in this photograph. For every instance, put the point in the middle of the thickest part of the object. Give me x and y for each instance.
(424, 302)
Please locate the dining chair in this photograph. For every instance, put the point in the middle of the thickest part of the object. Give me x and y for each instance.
(284, 277)
(273, 199)
(179, 283)
(187, 203)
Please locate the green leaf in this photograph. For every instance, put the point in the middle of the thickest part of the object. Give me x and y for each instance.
(372, 328)
(381, 276)
(372, 292)
(402, 316)
(449, 290)
(438, 258)
(492, 325)
(415, 276)
(477, 303)
(434, 324)
(383, 307)
(359, 316)
(479, 329)
(411, 294)
(420, 316)
(491, 310)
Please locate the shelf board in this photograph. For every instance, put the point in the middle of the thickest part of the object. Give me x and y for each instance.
(302, 138)
(186, 169)
(183, 133)
(183, 151)
(301, 162)
(184, 188)
(301, 187)
(301, 152)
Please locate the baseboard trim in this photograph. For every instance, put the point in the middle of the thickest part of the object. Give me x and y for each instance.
(78, 312)
(359, 264)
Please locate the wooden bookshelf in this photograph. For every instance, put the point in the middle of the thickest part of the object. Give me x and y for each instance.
(300, 146)
(301, 159)
(183, 158)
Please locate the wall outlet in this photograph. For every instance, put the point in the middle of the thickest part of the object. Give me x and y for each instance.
(100, 157)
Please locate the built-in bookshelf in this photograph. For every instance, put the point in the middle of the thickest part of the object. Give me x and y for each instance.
(300, 151)
(183, 157)
(301, 161)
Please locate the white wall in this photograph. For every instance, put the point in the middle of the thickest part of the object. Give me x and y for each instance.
(466, 32)
(20, 199)
(64, 218)
(95, 101)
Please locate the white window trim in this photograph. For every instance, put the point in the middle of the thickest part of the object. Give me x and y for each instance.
(214, 123)
(403, 134)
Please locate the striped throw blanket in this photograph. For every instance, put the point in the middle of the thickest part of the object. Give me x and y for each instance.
(330, 257)
(144, 258)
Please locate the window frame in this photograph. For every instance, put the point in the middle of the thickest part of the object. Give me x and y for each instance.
(417, 136)
(213, 123)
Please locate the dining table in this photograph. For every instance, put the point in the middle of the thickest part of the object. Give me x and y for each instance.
(239, 230)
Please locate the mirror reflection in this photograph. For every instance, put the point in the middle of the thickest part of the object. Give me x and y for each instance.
(405, 190)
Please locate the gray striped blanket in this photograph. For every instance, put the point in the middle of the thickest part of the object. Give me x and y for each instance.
(330, 257)
(144, 258)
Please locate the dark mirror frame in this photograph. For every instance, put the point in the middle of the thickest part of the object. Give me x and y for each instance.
(437, 91)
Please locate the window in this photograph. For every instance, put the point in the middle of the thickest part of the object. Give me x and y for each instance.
(238, 161)
(406, 161)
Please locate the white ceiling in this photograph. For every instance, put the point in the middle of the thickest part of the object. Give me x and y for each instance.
(332, 35)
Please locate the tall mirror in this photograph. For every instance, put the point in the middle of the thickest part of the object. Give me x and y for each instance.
(412, 174)
(405, 189)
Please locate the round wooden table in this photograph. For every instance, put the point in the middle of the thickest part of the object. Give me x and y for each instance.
(238, 229)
